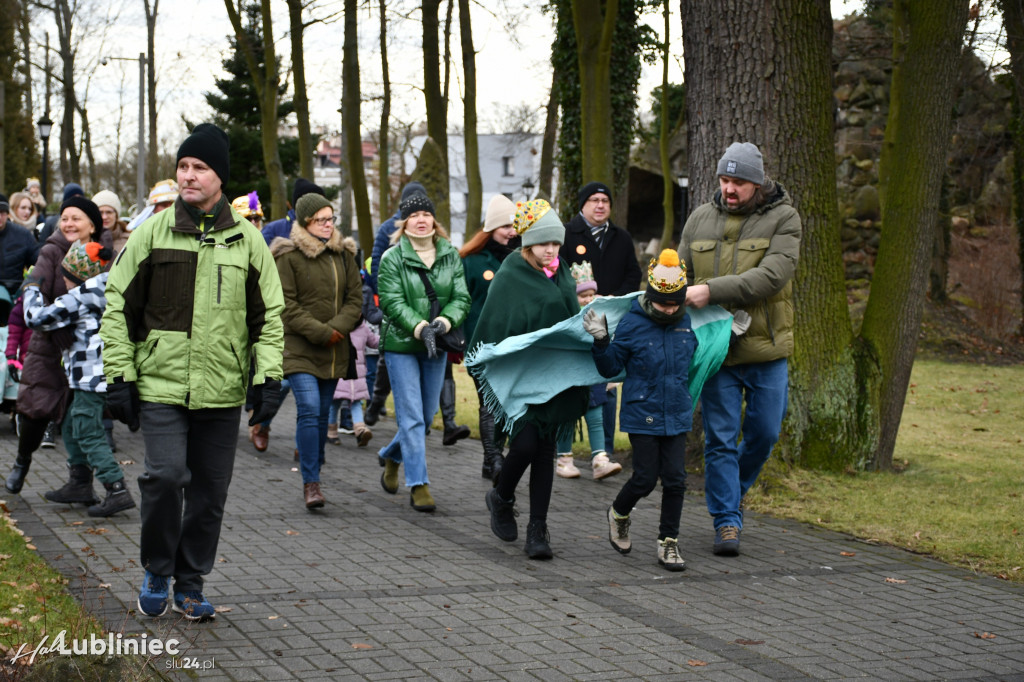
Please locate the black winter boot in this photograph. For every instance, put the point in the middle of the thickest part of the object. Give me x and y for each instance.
(118, 499)
(537, 538)
(493, 459)
(452, 432)
(16, 479)
(77, 489)
(381, 388)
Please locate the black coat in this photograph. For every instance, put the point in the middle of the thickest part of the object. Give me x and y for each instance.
(615, 266)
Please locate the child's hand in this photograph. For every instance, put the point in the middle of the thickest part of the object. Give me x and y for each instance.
(595, 326)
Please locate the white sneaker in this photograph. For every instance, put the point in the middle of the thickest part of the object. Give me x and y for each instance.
(566, 468)
(668, 555)
(603, 467)
(618, 532)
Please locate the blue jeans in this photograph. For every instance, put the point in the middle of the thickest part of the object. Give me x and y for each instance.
(312, 403)
(731, 467)
(416, 390)
(371, 373)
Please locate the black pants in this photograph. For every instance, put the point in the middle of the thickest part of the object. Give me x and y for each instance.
(190, 455)
(526, 449)
(656, 457)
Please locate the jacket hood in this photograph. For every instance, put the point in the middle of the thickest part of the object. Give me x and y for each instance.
(310, 247)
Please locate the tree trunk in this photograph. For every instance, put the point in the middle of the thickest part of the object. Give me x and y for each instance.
(69, 154)
(383, 143)
(267, 84)
(437, 108)
(301, 98)
(1013, 21)
(474, 185)
(545, 188)
(667, 185)
(926, 51)
(25, 33)
(153, 153)
(594, 29)
(351, 124)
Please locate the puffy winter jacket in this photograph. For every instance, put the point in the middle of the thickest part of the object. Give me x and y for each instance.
(752, 272)
(323, 292)
(656, 357)
(404, 300)
(187, 307)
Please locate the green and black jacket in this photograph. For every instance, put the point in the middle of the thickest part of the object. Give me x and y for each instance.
(188, 305)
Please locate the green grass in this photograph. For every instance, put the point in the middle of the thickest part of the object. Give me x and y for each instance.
(956, 491)
(34, 599)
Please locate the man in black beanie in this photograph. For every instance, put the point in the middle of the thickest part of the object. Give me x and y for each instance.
(192, 301)
(591, 236)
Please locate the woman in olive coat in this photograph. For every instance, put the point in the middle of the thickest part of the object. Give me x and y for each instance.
(323, 298)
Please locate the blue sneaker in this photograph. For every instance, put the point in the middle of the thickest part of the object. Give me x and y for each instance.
(153, 597)
(193, 605)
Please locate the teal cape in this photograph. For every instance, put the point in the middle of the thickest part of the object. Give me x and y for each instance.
(531, 369)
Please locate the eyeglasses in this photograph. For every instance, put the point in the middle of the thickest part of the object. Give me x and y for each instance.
(323, 222)
(599, 200)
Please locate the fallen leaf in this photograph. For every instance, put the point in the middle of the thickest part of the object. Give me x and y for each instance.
(847, 554)
(895, 581)
(96, 531)
(221, 609)
(127, 462)
(11, 583)
(105, 586)
(917, 535)
(695, 663)
(273, 617)
(76, 523)
(31, 546)
(984, 635)
(750, 642)
(292, 532)
(360, 645)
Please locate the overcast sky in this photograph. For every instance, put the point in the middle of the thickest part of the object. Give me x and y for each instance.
(513, 64)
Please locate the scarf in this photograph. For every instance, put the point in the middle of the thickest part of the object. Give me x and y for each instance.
(208, 218)
(657, 315)
(500, 251)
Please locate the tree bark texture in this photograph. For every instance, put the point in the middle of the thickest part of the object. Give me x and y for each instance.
(1013, 22)
(667, 183)
(69, 154)
(594, 29)
(384, 143)
(351, 125)
(926, 50)
(547, 146)
(437, 107)
(266, 82)
(474, 185)
(152, 153)
(301, 98)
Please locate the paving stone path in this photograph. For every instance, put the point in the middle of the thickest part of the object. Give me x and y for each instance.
(370, 589)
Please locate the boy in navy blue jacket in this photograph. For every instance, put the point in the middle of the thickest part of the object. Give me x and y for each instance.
(654, 344)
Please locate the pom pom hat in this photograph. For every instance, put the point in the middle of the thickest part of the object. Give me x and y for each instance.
(85, 260)
(538, 223)
(666, 279)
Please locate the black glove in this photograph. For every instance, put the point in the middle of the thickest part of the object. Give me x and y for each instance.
(266, 401)
(438, 326)
(429, 338)
(123, 403)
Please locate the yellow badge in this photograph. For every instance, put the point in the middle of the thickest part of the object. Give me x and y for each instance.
(488, 275)
(581, 249)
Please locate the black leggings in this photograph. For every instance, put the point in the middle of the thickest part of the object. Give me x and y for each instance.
(31, 431)
(529, 448)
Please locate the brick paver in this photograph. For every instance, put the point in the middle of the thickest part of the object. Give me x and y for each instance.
(370, 589)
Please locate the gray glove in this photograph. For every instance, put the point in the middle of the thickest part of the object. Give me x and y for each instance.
(740, 322)
(429, 338)
(438, 326)
(595, 326)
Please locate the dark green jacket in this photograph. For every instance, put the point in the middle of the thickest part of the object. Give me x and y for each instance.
(404, 300)
(753, 273)
(480, 269)
(188, 308)
(322, 292)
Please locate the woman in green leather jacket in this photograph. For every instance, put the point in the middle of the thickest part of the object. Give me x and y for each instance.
(409, 333)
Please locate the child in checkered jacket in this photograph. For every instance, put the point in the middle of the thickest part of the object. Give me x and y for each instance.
(84, 438)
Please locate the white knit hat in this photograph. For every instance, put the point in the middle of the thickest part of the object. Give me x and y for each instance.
(165, 190)
(107, 198)
(500, 212)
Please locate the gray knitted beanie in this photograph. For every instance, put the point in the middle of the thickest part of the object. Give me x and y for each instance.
(742, 160)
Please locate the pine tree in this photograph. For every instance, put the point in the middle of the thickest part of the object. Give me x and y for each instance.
(237, 112)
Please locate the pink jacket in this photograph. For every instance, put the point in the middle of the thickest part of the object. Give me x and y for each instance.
(18, 334)
(355, 389)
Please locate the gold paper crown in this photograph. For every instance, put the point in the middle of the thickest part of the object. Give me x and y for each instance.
(528, 212)
(667, 272)
(582, 272)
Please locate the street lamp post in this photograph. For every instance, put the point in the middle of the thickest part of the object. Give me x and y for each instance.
(45, 126)
(528, 188)
(140, 169)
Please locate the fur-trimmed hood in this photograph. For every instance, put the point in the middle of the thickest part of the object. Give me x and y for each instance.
(300, 239)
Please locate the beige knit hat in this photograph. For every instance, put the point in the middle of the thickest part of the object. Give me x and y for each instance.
(107, 198)
(500, 212)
